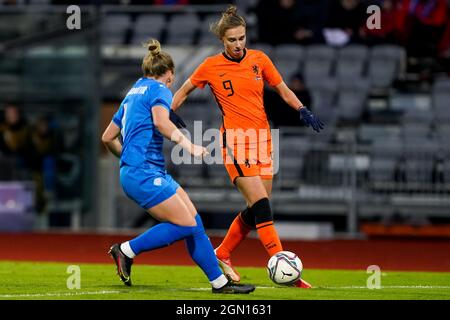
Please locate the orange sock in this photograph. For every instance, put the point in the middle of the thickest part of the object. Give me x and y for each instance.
(236, 233)
(269, 237)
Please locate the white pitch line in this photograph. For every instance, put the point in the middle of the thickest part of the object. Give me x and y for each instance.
(60, 294)
(68, 294)
(388, 287)
(345, 287)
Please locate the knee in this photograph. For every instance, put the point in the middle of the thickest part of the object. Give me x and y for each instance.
(187, 221)
(262, 211)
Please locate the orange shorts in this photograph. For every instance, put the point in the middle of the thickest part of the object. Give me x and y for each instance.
(247, 160)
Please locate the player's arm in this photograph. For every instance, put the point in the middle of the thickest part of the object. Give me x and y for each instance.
(162, 122)
(181, 94)
(288, 96)
(111, 139)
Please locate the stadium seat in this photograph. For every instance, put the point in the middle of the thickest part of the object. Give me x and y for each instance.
(264, 47)
(351, 63)
(114, 28)
(290, 172)
(419, 172)
(443, 131)
(288, 59)
(323, 93)
(415, 130)
(440, 98)
(319, 63)
(368, 133)
(206, 36)
(387, 148)
(419, 116)
(294, 146)
(385, 167)
(182, 29)
(351, 100)
(441, 84)
(447, 172)
(382, 170)
(148, 26)
(217, 175)
(386, 63)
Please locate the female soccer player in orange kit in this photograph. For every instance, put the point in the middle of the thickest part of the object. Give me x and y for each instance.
(236, 78)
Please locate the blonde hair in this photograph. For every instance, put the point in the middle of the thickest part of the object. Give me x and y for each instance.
(156, 62)
(229, 20)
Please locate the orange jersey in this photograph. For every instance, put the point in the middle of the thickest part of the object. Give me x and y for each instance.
(238, 86)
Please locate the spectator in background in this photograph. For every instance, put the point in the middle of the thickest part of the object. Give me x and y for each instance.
(313, 15)
(42, 160)
(277, 21)
(344, 22)
(425, 23)
(14, 135)
(444, 44)
(280, 116)
(11, 2)
(392, 24)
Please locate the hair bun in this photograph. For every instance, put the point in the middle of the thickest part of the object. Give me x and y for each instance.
(153, 46)
(231, 10)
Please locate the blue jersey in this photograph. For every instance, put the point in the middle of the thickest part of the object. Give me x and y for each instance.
(142, 142)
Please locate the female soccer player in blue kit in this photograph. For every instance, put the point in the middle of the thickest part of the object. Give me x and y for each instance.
(143, 120)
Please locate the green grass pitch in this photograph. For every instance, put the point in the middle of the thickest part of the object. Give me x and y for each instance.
(33, 280)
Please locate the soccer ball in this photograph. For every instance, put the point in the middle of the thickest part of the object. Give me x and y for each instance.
(285, 268)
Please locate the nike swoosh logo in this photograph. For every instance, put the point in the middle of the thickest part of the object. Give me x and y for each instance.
(221, 75)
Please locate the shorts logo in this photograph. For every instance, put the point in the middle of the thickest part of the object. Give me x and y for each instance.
(157, 182)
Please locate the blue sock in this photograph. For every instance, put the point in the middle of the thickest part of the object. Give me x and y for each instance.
(161, 235)
(202, 252)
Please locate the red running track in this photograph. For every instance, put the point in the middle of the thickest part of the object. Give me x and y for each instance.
(393, 254)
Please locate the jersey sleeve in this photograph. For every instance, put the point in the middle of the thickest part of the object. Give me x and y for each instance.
(270, 73)
(199, 77)
(164, 98)
(117, 118)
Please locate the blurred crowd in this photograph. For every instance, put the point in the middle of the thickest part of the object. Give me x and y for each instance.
(28, 152)
(421, 26)
(112, 2)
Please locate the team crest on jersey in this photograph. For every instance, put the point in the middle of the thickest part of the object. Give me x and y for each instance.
(255, 69)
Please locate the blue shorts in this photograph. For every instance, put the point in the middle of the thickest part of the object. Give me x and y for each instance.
(147, 186)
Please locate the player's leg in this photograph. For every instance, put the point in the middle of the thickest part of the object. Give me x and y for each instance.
(253, 190)
(171, 210)
(202, 252)
(239, 228)
(242, 224)
(199, 246)
(268, 186)
(268, 182)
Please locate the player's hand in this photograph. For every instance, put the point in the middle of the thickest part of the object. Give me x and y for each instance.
(176, 119)
(310, 119)
(198, 151)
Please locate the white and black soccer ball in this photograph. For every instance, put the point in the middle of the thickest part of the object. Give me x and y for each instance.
(285, 268)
